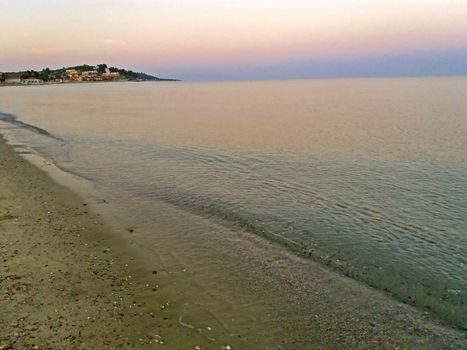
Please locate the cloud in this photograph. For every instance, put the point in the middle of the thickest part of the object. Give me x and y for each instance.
(44, 51)
(111, 41)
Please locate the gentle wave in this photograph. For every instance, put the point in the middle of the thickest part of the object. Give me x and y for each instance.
(344, 227)
(361, 180)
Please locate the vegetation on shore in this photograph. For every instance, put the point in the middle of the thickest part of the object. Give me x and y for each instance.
(84, 72)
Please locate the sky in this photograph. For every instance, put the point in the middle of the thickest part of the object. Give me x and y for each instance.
(239, 39)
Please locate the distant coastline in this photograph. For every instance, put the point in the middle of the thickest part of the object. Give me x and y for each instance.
(75, 74)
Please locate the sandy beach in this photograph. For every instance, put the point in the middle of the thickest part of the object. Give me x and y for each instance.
(67, 282)
(233, 175)
(64, 282)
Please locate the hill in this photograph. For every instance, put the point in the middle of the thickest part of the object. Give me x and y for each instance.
(84, 72)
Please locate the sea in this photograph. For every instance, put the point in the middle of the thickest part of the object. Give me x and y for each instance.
(367, 177)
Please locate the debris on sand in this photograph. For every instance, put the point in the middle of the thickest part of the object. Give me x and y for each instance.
(7, 217)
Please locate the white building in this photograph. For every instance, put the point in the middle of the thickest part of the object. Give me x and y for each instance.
(110, 75)
(13, 80)
(73, 74)
(70, 72)
(91, 75)
(32, 81)
(89, 72)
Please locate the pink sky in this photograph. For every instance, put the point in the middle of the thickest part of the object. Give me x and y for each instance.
(188, 35)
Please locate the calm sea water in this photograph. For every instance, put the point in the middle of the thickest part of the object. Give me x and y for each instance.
(366, 176)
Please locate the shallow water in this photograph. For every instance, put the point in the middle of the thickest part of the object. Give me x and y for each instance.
(365, 176)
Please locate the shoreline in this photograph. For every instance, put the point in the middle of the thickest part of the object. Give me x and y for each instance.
(65, 281)
(89, 289)
(94, 82)
(68, 281)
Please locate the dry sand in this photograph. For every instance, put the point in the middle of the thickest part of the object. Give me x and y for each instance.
(66, 282)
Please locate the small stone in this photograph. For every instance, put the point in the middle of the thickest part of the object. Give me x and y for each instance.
(197, 347)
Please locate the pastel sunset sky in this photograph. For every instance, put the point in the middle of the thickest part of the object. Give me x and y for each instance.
(241, 39)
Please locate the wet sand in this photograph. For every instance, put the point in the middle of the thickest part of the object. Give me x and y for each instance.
(68, 282)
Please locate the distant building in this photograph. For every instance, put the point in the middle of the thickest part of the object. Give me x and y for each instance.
(73, 74)
(91, 75)
(13, 80)
(89, 72)
(32, 81)
(2, 77)
(110, 75)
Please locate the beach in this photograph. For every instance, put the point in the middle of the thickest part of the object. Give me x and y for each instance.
(68, 282)
(65, 282)
(296, 182)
